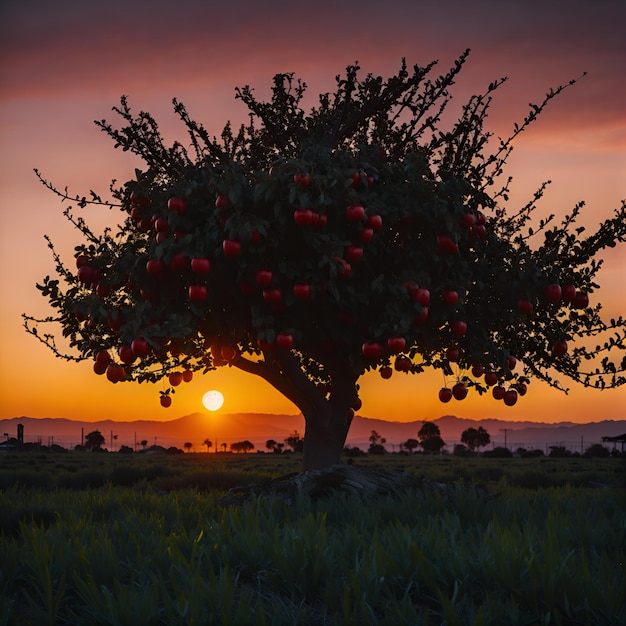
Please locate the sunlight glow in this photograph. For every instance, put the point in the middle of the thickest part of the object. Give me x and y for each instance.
(213, 400)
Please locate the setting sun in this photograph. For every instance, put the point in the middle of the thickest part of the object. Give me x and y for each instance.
(213, 400)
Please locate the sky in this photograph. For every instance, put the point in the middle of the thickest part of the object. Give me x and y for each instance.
(66, 63)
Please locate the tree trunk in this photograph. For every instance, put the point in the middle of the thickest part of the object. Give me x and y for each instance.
(324, 437)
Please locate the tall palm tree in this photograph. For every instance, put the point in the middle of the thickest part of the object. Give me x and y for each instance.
(208, 443)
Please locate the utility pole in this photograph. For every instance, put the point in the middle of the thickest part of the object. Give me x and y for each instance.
(505, 431)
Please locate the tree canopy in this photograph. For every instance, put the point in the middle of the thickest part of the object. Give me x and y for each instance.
(310, 246)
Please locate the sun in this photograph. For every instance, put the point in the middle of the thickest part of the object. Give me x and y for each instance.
(213, 400)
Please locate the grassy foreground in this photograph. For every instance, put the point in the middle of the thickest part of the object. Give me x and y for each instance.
(515, 541)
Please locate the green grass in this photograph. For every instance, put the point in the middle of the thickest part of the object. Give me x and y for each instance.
(162, 550)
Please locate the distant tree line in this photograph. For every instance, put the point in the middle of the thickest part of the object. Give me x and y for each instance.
(428, 439)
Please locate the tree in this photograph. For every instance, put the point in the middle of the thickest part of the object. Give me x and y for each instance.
(377, 443)
(242, 446)
(188, 445)
(94, 440)
(475, 438)
(597, 450)
(208, 443)
(309, 247)
(430, 439)
(411, 444)
(295, 441)
(144, 443)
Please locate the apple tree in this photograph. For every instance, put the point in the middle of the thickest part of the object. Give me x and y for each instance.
(311, 245)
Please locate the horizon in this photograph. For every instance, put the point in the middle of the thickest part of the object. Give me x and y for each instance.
(47, 108)
(511, 434)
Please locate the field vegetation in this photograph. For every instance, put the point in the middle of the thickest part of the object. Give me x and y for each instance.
(103, 538)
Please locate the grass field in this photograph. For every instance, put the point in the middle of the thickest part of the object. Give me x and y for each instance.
(133, 539)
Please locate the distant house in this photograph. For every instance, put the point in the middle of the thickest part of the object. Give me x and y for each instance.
(617, 439)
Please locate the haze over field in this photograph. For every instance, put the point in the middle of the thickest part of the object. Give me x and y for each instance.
(66, 64)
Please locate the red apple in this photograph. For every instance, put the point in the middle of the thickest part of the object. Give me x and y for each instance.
(140, 347)
(100, 368)
(479, 230)
(273, 294)
(162, 225)
(421, 296)
(458, 328)
(222, 202)
(126, 354)
(552, 293)
(284, 341)
(446, 245)
(510, 397)
(524, 306)
(366, 235)
(86, 274)
(452, 354)
(228, 353)
(155, 267)
(103, 289)
(459, 391)
(138, 199)
(187, 376)
(468, 220)
(303, 217)
(115, 373)
(491, 379)
(179, 262)
(354, 253)
(197, 293)
(358, 404)
(345, 268)
(302, 291)
(355, 213)
(265, 346)
(580, 301)
(568, 293)
(371, 350)
(559, 348)
(498, 392)
(450, 297)
(231, 247)
(103, 357)
(264, 277)
(175, 378)
(521, 388)
(396, 344)
(82, 261)
(200, 265)
(375, 222)
(166, 401)
(402, 364)
(511, 362)
(179, 205)
(477, 371)
(386, 372)
(445, 394)
(303, 180)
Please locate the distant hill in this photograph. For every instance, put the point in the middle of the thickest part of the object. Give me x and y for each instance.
(259, 427)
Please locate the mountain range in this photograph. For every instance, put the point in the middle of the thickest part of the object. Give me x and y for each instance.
(260, 427)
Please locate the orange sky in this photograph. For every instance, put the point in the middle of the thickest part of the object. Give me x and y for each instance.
(66, 63)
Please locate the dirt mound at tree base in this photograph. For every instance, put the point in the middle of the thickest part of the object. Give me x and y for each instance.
(365, 482)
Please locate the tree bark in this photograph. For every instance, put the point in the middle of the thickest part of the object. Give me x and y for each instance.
(327, 421)
(324, 437)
